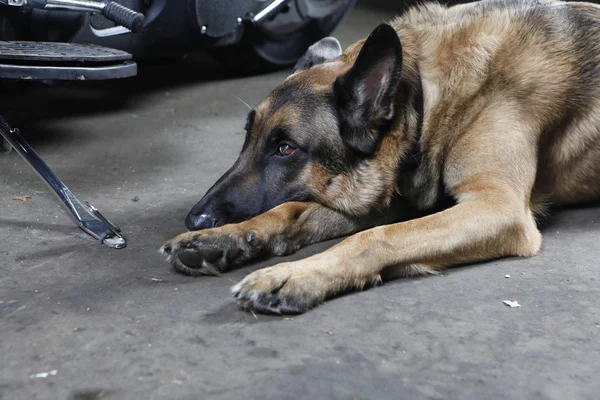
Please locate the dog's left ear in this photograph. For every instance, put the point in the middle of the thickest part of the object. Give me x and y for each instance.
(366, 94)
(324, 50)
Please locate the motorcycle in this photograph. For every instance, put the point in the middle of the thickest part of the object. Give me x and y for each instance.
(247, 36)
(92, 40)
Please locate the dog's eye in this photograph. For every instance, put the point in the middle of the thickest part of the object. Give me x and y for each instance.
(286, 150)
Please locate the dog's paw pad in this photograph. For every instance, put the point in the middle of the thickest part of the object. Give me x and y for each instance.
(207, 252)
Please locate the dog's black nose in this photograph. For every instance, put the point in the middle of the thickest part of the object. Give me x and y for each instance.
(196, 222)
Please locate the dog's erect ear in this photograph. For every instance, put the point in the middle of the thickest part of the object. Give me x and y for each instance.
(324, 50)
(366, 94)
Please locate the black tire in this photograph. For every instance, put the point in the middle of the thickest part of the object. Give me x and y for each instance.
(261, 51)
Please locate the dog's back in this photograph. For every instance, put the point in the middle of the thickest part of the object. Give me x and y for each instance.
(538, 61)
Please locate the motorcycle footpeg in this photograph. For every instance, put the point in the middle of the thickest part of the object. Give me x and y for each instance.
(63, 61)
(130, 19)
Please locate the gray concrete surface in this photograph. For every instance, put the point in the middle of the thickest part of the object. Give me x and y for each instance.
(123, 325)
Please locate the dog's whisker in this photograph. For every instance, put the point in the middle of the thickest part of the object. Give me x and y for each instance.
(246, 104)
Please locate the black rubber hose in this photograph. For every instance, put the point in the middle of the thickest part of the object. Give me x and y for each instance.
(124, 16)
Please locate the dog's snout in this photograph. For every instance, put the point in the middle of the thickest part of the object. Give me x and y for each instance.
(196, 222)
(232, 199)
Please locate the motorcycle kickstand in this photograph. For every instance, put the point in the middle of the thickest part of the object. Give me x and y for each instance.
(87, 217)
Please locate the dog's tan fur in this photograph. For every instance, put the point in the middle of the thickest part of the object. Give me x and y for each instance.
(511, 124)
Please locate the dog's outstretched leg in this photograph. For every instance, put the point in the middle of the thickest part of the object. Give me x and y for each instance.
(489, 224)
(280, 231)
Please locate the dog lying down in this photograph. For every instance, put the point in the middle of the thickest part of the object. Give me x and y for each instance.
(434, 142)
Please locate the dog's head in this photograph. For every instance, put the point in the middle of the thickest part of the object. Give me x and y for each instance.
(317, 137)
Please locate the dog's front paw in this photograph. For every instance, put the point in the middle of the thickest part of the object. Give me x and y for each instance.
(211, 251)
(282, 289)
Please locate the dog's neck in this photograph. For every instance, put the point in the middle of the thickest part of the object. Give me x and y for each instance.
(415, 181)
(414, 156)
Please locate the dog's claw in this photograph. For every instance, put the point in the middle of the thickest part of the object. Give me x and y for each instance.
(270, 291)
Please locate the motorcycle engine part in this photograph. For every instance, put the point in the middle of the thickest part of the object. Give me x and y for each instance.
(282, 37)
(217, 19)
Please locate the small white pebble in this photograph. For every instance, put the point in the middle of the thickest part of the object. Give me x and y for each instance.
(507, 276)
(43, 375)
(512, 303)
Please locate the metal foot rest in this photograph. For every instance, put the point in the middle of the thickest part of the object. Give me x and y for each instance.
(63, 61)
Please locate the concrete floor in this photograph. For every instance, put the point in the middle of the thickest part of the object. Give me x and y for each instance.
(121, 324)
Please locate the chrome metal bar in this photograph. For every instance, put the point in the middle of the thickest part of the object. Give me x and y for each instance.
(76, 5)
(269, 10)
(15, 3)
(86, 216)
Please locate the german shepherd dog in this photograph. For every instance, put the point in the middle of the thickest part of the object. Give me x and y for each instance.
(435, 142)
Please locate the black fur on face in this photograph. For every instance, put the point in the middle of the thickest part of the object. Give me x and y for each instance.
(302, 134)
(295, 130)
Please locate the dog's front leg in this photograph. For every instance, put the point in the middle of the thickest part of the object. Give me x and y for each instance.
(488, 225)
(280, 231)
